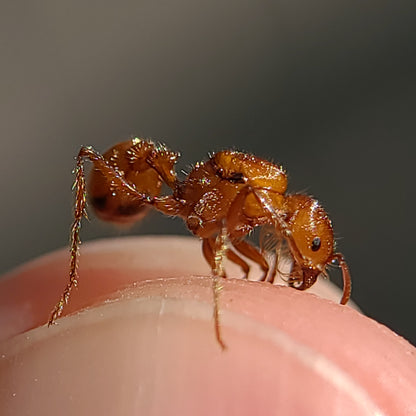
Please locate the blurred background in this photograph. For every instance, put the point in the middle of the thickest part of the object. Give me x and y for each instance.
(325, 88)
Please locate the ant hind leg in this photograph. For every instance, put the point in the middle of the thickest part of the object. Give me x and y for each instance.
(79, 211)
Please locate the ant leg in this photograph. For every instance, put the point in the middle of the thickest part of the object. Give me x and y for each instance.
(253, 254)
(235, 258)
(276, 219)
(79, 212)
(170, 206)
(235, 217)
(346, 277)
(208, 249)
(218, 272)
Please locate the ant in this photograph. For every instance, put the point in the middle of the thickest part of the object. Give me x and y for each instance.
(221, 200)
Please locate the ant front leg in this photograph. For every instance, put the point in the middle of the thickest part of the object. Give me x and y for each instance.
(239, 223)
(119, 183)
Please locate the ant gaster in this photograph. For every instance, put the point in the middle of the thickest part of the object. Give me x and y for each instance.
(221, 200)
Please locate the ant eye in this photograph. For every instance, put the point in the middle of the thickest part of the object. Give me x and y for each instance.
(316, 244)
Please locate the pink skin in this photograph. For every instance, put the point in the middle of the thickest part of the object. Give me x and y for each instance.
(147, 345)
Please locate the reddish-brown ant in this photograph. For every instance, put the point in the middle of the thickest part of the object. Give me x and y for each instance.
(221, 200)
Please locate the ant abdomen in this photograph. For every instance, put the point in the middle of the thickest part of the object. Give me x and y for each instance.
(137, 162)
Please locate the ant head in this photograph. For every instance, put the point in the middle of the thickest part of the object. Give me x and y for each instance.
(311, 239)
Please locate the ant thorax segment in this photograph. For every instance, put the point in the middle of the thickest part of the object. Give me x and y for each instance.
(221, 189)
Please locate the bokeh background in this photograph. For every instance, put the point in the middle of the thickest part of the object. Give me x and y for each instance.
(327, 88)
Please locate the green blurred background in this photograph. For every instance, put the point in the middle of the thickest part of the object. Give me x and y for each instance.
(327, 88)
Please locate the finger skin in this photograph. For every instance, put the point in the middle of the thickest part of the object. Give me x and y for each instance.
(149, 348)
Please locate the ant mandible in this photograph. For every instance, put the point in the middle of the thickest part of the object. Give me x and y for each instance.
(221, 200)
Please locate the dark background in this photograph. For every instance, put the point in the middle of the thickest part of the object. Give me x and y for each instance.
(327, 88)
